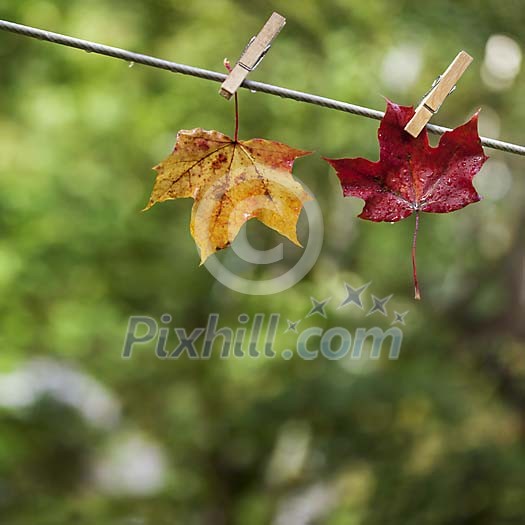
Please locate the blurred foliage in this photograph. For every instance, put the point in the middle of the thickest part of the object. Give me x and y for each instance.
(436, 437)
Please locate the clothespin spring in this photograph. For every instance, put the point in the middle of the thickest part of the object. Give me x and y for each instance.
(259, 60)
(434, 84)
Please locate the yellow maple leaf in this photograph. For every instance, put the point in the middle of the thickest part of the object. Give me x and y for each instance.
(231, 182)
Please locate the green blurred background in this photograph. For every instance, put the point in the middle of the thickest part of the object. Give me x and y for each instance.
(436, 437)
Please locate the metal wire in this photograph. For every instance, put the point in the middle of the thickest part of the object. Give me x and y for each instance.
(128, 56)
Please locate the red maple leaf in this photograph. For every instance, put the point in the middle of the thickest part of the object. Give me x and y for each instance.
(411, 176)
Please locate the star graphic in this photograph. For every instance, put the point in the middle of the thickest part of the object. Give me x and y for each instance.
(292, 326)
(379, 305)
(318, 307)
(353, 295)
(399, 318)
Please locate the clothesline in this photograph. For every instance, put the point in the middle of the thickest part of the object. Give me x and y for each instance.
(129, 56)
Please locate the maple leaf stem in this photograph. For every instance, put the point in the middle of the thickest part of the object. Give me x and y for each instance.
(236, 135)
(228, 66)
(417, 294)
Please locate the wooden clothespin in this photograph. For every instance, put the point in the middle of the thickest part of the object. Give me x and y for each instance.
(441, 88)
(252, 55)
